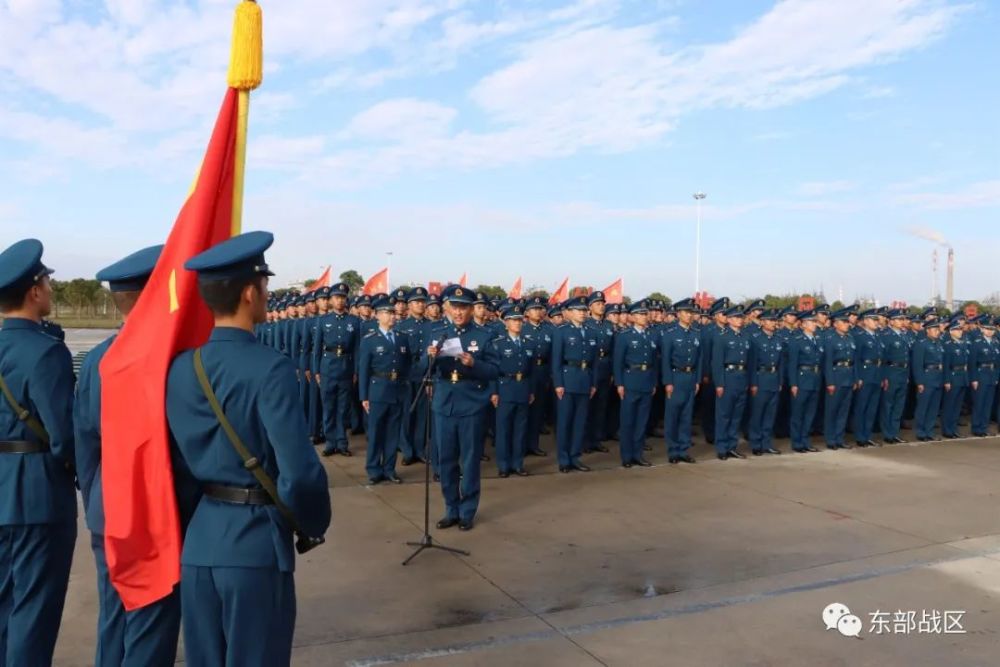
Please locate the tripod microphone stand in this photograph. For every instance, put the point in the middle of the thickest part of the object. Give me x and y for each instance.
(426, 541)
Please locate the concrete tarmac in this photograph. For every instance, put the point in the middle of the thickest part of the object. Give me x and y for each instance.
(719, 563)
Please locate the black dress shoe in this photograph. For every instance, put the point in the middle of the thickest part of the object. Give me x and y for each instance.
(845, 446)
(545, 431)
(686, 459)
(723, 456)
(466, 526)
(643, 463)
(394, 479)
(504, 475)
(736, 455)
(674, 459)
(485, 457)
(521, 472)
(602, 449)
(627, 465)
(810, 448)
(374, 480)
(581, 467)
(565, 468)
(952, 436)
(538, 452)
(757, 452)
(896, 441)
(346, 452)
(447, 522)
(772, 450)
(407, 462)
(328, 452)
(647, 448)
(437, 477)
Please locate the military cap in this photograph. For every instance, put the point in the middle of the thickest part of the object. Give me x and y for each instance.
(310, 297)
(669, 308)
(735, 311)
(927, 312)
(757, 304)
(719, 305)
(806, 315)
(458, 294)
(535, 302)
(433, 300)
(841, 315)
(323, 292)
(131, 273)
(238, 257)
(870, 313)
(493, 305)
(822, 309)
(382, 303)
(686, 305)
(932, 324)
(379, 295)
(639, 307)
(575, 303)
(884, 311)
(339, 289)
(22, 262)
(771, 314)
(364, 300)
(555, 310)
(980, 319)
(655, 304)
(595, 297)
(995, 322)
(400, 295)
(513, 313)
(418, 293)
(480, 299)
(789, 311)
(896, 314)
(616, 308)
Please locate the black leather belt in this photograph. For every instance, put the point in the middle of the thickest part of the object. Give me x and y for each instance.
(640, 367)
(541, 362)
(22, 447)
(868, 364)
(602, 353)
(814, 369)
(735, 367)
(238, 495)
(897, 364)
(683, 369)
(934, 367)
(844, 364)
(767, 369)
(393, 376)
(516, 377)
(584, 365)
(959, 368)
(988, 366)
(339, 350)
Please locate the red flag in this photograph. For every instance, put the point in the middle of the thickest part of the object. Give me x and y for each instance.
(142, 529)
(615, 292)
(561, 294)
(322, 281)
(464, 279)
(377, 283)
(515, 291)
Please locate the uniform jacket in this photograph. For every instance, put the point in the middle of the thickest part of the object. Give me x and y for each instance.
(805, 362)
(868, 357)
(956, 362)
(635, 360)
(573, 348)
(839, 353)
(680, 348)
(730, 349)
(767, 362)
(459, 390)
(514, 360)
(984, 360)
(603, 333)
(384, 367)
(335, 346)
(928, 362)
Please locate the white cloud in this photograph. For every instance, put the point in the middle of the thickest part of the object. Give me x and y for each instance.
(974, 195)
(400, 120)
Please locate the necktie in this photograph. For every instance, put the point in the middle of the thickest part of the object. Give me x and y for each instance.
(392, 339)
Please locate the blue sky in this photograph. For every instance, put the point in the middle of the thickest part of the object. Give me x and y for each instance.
(526, 138)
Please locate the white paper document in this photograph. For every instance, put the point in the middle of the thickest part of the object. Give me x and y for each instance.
(451, 348)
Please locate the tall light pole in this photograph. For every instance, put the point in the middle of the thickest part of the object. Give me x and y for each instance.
(698, 196)
(388, 268)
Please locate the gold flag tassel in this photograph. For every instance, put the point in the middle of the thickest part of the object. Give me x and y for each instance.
(246, 71)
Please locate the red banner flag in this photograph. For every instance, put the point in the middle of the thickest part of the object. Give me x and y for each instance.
(142, 528)
(515, 291)
(464, 279)
(322, 281)
(615, 292)
(561, 294)
(379, 283)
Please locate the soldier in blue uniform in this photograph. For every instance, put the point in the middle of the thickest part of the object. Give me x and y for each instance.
(574, 376)
(928, 378)
(237, 563)
(956, 378)
(840, 374)
(730, 374)
(984, 371)
(461, 394)
(511, 394)
(335, 358)
(415, 326)
(788, 327)
(717, 313)
(896, 344)
(871, 378)
(383, 377)
(805, 366)
(314, 406)
(681, 372)
(145, 636)
(603, 333)
(37, 494)
(766, 361)
(635, 372)
(537, 335)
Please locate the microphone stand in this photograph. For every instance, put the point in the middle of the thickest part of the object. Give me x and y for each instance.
(426, 541)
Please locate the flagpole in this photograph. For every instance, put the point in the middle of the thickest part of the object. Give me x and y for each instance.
(246, 71)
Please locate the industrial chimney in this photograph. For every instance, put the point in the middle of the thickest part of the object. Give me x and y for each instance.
(951, 279)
